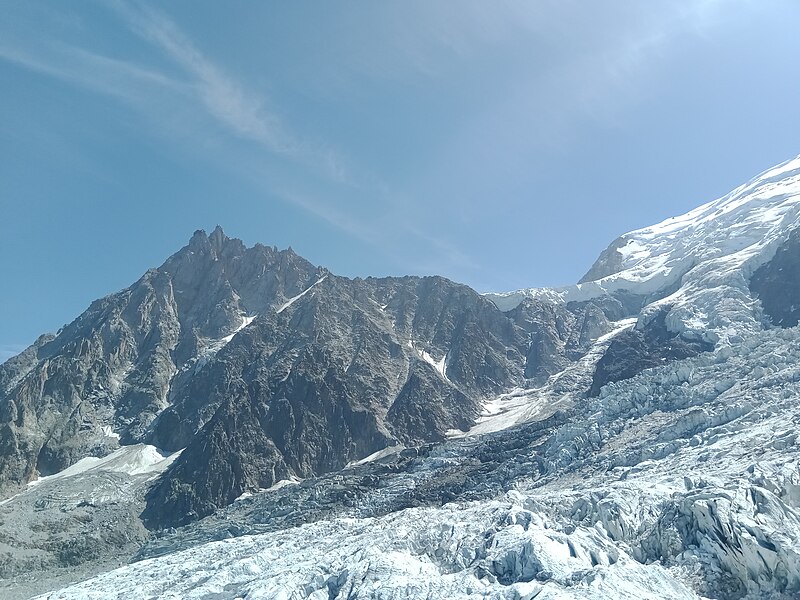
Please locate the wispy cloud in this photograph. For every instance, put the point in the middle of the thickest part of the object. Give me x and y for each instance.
(89, 70)
(520, 77)
(198, 83)
(201, 86)
(223, 97)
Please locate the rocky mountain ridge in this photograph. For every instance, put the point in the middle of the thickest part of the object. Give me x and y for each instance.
(262, 367)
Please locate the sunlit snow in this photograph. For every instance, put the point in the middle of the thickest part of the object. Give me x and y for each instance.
(440, 366)
(211, 347)
(137, 459)
(708, 253)
(294, 299)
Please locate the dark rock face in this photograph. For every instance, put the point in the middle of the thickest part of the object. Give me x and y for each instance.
(340, 374)
(777, 284)
(561, 334)
(549, 327)
(608, 263)
(633, 351)
(262, 366)
(473, 469)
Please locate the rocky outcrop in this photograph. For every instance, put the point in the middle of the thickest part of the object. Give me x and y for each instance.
(352, 367)
(644, 347)
(777, 284)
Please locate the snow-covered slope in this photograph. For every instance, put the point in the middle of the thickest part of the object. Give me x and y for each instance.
(89, 510)
(750, 217)
(700, 261)
(137, 459)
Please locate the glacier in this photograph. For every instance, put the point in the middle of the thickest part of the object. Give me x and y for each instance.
(682, 482)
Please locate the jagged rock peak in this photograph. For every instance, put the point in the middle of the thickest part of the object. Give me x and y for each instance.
(217, 245)
(215, 241)
(217, 238)
(198, 238)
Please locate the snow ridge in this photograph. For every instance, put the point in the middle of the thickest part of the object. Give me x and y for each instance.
(137, 459)
(708, 253)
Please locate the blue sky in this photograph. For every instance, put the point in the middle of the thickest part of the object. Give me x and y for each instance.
(501, 144)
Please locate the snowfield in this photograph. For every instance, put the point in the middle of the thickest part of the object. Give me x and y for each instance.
(137, 459)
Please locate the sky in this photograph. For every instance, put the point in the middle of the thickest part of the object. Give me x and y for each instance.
(501, 144)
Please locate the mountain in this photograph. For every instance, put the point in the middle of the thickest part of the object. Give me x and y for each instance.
(241, 423)
(260, 367)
